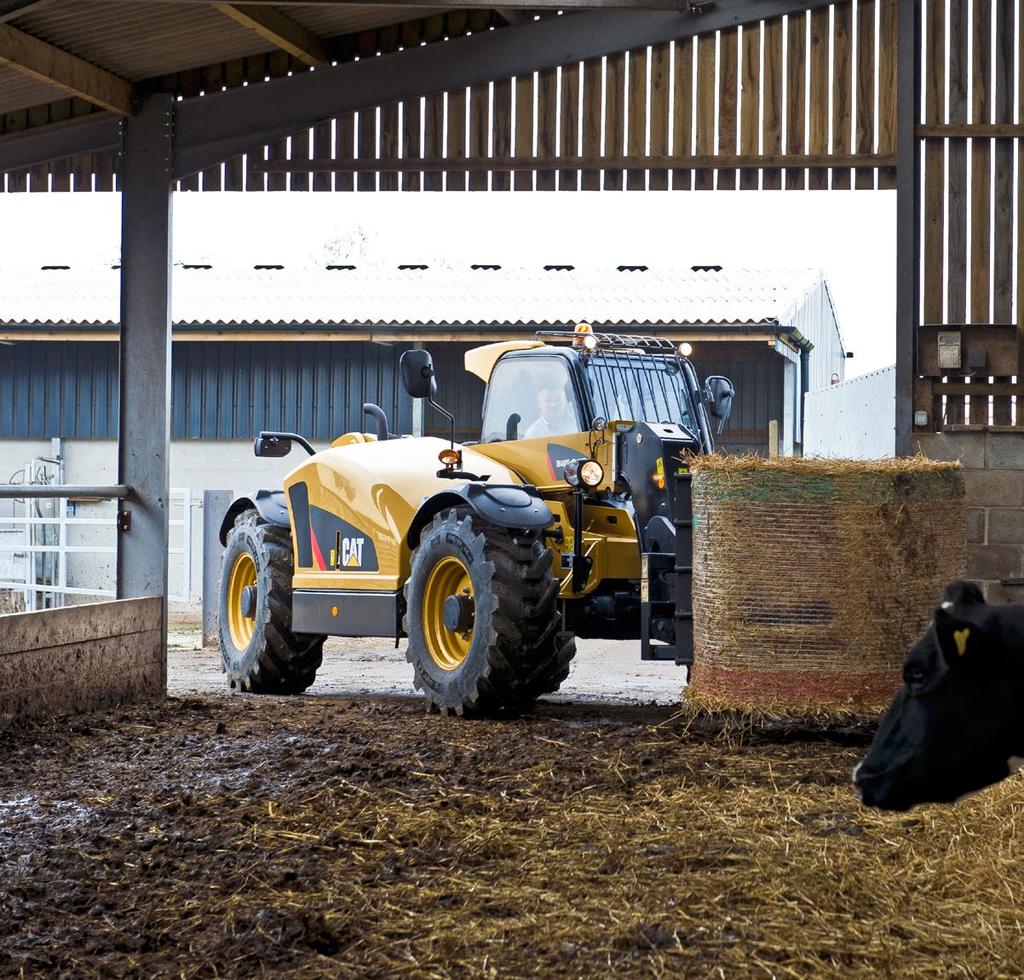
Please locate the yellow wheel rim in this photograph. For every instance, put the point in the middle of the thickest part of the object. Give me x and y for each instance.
(243, 575)
(447, 578)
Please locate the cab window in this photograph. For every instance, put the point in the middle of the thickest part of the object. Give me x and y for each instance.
(529, 398)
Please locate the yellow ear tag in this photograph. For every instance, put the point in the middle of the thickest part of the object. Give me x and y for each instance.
(960, 636)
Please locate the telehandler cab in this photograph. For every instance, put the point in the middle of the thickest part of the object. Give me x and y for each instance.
(571, 516)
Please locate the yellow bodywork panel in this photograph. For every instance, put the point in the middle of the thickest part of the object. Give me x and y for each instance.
(541, 461)
(609, 538)
(376, 488)
(481, 360)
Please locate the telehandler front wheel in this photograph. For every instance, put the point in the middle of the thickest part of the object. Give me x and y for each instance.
(258, 650)
(482, 617)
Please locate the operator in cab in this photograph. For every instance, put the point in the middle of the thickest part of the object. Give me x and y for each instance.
(555, 417)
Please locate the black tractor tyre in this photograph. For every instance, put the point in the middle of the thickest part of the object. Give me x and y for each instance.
(515, 650)
(266, 657)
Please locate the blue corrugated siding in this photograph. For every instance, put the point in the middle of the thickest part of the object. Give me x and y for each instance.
(759, 398)
(219, 390)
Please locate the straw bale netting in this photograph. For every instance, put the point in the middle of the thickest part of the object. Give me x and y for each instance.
(813, 577)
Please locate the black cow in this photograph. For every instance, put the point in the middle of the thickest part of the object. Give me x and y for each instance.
(957, 723)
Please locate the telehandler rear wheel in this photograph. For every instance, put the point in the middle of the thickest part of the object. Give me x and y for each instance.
(482, 617)
(258, 650)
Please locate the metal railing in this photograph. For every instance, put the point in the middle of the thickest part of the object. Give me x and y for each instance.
(54, 582)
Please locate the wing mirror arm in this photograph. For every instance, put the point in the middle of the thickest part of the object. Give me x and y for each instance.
(278, 444)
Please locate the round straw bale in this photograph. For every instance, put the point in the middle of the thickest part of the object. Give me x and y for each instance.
(813, 577)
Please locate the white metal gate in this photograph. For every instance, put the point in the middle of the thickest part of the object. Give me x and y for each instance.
(42, 550)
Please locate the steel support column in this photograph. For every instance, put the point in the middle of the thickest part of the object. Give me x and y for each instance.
(908, 215)
(145, 351)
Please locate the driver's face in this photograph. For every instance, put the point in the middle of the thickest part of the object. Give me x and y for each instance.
(552, 403)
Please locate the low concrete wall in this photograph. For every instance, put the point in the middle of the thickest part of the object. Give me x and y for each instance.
(81, 658)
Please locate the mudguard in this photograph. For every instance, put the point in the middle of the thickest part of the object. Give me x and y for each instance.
(502, 505)
(269, 504)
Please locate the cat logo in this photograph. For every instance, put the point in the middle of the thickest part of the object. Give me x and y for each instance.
(352, 552)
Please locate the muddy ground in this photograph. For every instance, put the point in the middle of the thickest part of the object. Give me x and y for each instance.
(357, 836)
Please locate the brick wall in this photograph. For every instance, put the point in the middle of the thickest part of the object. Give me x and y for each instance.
(994, 474)
(81, 658)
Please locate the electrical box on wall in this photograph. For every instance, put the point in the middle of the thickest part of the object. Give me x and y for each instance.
(950, 357)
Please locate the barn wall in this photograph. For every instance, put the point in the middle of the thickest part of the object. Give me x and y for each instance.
(853, 420)
(79, 659)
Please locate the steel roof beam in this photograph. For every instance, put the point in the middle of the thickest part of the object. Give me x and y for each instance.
(45, 63)
(280, 30)
(218, 127)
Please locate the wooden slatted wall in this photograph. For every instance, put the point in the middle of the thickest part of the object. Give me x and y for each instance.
(972, 246)
(801, 101)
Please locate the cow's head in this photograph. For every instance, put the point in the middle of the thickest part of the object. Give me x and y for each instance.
(954, 724)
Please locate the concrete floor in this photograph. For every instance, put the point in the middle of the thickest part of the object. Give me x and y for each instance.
(603, 671)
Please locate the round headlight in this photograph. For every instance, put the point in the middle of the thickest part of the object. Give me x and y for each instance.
(685, 349)
(591, 472)
(590, 341)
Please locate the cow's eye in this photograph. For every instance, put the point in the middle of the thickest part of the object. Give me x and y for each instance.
(914, 676)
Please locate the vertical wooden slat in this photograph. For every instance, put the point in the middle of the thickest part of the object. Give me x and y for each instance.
(213, 81)
(16, 122)
(455, 138)
(636, 132)
(255, 71)
(39, 175)
(277, 67)
(772, 179)
(547, 125)
(522, 180)
(1002, 217)
(479, 127)
(593, 101)
(934, 162)
(501, 131)
(615, 116)
(956, 281)
(412, 33)
(661, 80)
(728, 102)
(682, 115)
(750, 102)
(704, 179)
(842, 89)
(817, 179)
(389, 137)
(569, 127)
(366, 147)
(865, 141)
(981, 162)
(433, 139)
(81, 166)
(234, 169)
(887, 88)
(796, 81)
(60, 170)
(1019, 311)
(345, 149)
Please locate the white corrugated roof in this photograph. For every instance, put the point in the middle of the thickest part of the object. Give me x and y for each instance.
(411, 296)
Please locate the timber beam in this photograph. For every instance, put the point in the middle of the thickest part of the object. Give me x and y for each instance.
(45, 63)
(280, 30)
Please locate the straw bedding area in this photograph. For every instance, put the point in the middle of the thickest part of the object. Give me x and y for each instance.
(813, 577)
(316, 837)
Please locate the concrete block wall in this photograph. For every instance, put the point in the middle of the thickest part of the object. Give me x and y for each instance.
(994, 475)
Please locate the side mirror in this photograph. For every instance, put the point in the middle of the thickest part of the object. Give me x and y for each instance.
(720, 395)
(274, 446)
(418, 374)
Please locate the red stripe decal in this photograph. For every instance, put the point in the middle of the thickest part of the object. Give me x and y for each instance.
(318, 556)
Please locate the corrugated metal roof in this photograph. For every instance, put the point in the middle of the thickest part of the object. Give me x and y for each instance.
(333, 20)
(141, 40)
(412, 296)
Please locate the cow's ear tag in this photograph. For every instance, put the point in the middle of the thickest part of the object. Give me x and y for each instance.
(960, 638)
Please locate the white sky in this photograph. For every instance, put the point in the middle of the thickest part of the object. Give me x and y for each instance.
(850, 235)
